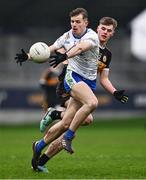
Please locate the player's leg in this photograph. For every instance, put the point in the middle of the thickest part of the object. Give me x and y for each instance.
(55, 131)
(81, 92)
(52, 115)
(85, 95)
(38, 146)
(54, 148)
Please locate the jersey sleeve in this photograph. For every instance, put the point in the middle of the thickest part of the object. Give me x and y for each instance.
(104, 59)
(62, 74)
(108, 60)
(59, 43)
(92, 37)
(93, 40)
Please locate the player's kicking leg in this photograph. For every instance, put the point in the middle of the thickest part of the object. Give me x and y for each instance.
(53, 115)
(83, 94)
(54, 132)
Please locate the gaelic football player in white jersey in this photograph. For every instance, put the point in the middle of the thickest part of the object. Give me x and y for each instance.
(82, 49)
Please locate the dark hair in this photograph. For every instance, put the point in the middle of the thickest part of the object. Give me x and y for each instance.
(108, 21)
(78, 11)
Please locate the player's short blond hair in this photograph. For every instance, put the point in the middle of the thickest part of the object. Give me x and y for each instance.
(108, 21)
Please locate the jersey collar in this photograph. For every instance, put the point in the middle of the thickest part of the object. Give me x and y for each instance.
(102, 47)
(79, 37)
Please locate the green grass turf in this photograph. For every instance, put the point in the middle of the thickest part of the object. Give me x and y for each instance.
(104, 150)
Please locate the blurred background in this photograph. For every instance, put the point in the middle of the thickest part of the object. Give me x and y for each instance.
(25, 22)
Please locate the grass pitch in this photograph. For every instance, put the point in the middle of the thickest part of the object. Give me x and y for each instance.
(104, 150)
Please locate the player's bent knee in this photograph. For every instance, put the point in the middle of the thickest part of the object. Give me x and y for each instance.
(93, 104)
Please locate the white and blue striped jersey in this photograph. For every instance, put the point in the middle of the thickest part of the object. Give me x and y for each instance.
(85, 64)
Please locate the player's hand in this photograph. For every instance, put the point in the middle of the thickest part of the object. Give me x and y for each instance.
(120, 96)
(21, 57)
(57, 59)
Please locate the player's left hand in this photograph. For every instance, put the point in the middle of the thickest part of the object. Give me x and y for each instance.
(57, 59)
(121, 96)
(21, 57)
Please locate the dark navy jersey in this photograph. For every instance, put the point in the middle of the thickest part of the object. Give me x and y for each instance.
(60, 90)
(62, 74)
(104, 58)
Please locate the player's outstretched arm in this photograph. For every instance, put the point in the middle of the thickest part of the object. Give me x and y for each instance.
(39, 52)
(75, 50)
(106, 83)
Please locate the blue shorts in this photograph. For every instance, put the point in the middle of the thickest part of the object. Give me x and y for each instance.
(72, 78)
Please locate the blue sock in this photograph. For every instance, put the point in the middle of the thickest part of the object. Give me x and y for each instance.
(69, 134)
(40, 145)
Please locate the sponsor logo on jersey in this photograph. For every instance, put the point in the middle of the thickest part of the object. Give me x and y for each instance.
(104, 58)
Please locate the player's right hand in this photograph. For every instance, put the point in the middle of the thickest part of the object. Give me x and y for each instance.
(57, 59)
(21, 57)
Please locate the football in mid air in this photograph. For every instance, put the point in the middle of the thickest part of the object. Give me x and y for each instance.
(39, 52)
